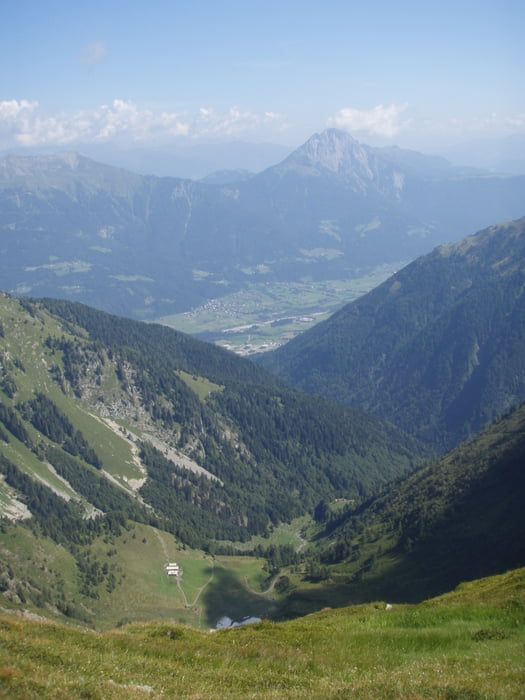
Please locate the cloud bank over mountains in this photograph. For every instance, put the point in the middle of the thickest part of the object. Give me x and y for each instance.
(24, 123)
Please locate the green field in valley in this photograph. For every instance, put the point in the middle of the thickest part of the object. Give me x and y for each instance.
(135, 585)
(265, 315)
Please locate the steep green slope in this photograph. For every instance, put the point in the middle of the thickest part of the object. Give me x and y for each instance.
(453, 520)
(438, 349)
(469, 645)
(119, 575)
(105, 420)
(102, 390)
(254, 421)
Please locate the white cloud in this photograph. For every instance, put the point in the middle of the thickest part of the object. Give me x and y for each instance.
(381, 120)
(13, 112)
(23, 123)
(495, 120)
(390, 121)
(233, 122)
(16, 117)
(492, 125)
(125, 119)
(516, 122)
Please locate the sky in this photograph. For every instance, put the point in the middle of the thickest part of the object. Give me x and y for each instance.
(417, 74)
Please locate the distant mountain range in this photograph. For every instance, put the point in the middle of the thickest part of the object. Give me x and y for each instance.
(438, 349)
(145, 246)
(114, 432)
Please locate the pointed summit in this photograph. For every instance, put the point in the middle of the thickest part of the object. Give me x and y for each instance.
(336, 153)
(333, 150)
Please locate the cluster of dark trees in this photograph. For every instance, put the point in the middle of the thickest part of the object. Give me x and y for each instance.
(455, 519)
(11, 420)
(57, 518)
(46, 417)
(64, 522)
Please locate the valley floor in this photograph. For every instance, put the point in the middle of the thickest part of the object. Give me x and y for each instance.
(265, 315)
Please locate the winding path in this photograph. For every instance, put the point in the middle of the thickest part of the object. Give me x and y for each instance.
(201, 589)
(162, 544)
(260, 593)
(187, 604)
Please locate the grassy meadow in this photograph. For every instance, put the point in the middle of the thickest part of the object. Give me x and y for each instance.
(469, 644)
(207, 589)
(136, 586)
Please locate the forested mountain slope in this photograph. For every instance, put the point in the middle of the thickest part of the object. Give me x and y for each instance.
(110, 428)
(453, 520)
(438, 349)
(188, 436)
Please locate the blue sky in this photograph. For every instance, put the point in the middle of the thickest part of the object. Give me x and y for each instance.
(419, 74)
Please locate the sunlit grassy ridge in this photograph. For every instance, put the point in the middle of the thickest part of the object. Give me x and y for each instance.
(466, 645)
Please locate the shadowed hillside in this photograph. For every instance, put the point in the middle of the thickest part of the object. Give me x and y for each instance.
(438, 349)
(453, 520)
(466, 645)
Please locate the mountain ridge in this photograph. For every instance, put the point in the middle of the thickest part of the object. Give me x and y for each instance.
(453, 520)
(437, 348)
(337, 153)
(160, 245)
(196, 428)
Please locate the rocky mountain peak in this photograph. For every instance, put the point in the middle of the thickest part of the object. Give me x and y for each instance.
(331, 149)
(334, 150)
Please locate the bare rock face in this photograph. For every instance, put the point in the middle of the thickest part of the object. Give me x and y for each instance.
(337, 152)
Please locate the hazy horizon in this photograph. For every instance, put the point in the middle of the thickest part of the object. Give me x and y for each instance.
(169, 75)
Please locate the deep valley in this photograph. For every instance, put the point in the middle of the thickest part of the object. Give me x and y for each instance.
(347, 500)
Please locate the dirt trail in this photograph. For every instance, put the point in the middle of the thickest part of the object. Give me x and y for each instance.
(162, 544)
(186, 604)
(167, 558)
(201, 589)
(302, 542)
(260, 593)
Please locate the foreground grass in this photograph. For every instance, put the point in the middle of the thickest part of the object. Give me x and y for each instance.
(463, 646)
